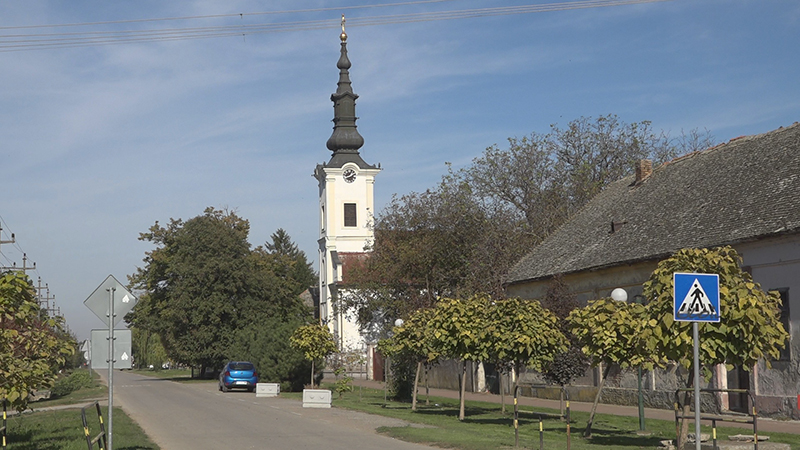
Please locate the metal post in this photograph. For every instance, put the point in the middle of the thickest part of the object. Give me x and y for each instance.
(541, 434)
(714, 434)
(696, 332)
(110, 365)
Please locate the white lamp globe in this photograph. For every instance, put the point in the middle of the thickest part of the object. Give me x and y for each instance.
(619, 295)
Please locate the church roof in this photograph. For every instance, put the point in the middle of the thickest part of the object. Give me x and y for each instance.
(345, 139)
(746, 189)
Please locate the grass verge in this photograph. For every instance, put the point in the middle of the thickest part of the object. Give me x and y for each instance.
(63, 430)
(486, 428)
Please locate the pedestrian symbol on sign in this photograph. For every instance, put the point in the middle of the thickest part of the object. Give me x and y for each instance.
(696, 302)
(696, 297)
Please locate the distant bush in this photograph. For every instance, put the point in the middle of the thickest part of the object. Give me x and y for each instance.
(71, 383)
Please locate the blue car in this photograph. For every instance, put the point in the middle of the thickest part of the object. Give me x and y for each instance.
(238, 375)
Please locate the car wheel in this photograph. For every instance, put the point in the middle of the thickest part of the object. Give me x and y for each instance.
(220, 387)
(224, 388)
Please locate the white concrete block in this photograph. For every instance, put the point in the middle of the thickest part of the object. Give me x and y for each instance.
(316, 398)
(268, 389)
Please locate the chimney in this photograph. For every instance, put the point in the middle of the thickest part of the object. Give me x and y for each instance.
(644, 167)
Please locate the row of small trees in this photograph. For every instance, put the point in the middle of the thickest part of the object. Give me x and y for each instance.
(33, 346)
(516, 333)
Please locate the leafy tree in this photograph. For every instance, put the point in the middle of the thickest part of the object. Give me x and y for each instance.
(33, 347)
(749, 329)
(609, 332)
(460, 332)
(294, 261)
(545, 178)
(315, 341)
(413, 341)
(521, 333)
(202, 284)
(146, 346)
(443, 242)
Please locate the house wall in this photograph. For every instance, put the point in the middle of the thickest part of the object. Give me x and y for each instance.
(773, 262)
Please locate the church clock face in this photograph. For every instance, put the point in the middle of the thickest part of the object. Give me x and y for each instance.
(349, 175)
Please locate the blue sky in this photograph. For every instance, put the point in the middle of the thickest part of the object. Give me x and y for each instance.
(97, 143)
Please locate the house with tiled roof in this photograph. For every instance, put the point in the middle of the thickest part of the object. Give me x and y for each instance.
(744, 193)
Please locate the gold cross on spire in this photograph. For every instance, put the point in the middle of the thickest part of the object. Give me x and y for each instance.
(343, 36)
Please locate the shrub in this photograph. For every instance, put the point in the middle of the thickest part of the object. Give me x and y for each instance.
(71, 383)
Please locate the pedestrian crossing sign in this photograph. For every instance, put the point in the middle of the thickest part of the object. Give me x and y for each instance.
(696, 297)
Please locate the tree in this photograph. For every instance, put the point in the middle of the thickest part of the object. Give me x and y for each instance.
(460, 332)
(571, 364)
(749, 329)
(33, 347)
(315, 341)
(609, 332)
(413, 341)
(545, 178)
(294, 261)
(521, 333)
(443, 242)
(202, 284)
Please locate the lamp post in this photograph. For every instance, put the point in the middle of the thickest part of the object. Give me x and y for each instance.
(621, 295)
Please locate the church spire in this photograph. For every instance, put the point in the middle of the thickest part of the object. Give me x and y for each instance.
(345, 137)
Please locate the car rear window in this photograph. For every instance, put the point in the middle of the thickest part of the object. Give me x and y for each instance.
(241, 366)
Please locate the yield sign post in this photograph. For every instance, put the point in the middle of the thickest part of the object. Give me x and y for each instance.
(696, 297)
(110, 302)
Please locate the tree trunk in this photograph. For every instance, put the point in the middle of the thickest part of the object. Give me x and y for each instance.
(312, 374)
(500, 377)
(588, 432)
(463, 389)
(416, 385)
(427, 387)
(683, 433)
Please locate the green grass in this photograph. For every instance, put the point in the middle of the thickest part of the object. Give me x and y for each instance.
(486, 428)
(63, 430)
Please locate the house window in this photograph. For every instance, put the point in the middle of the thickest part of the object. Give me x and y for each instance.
(350, 218)
(786, 353)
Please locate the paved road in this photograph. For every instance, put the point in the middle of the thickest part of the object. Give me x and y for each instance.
(196, 416)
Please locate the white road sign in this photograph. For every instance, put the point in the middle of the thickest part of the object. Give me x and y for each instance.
(122, 349)
(98, 302)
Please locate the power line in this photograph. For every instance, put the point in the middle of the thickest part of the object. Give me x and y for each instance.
(220, 16)
(38, 41)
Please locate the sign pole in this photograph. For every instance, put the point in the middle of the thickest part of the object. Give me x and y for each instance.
(110, 365)
(696, 332)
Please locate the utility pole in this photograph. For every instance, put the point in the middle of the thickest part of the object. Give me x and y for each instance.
(24, 267)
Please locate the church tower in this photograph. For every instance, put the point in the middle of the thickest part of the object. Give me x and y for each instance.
(345, 206)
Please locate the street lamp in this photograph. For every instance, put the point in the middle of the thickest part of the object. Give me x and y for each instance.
(621, 295)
